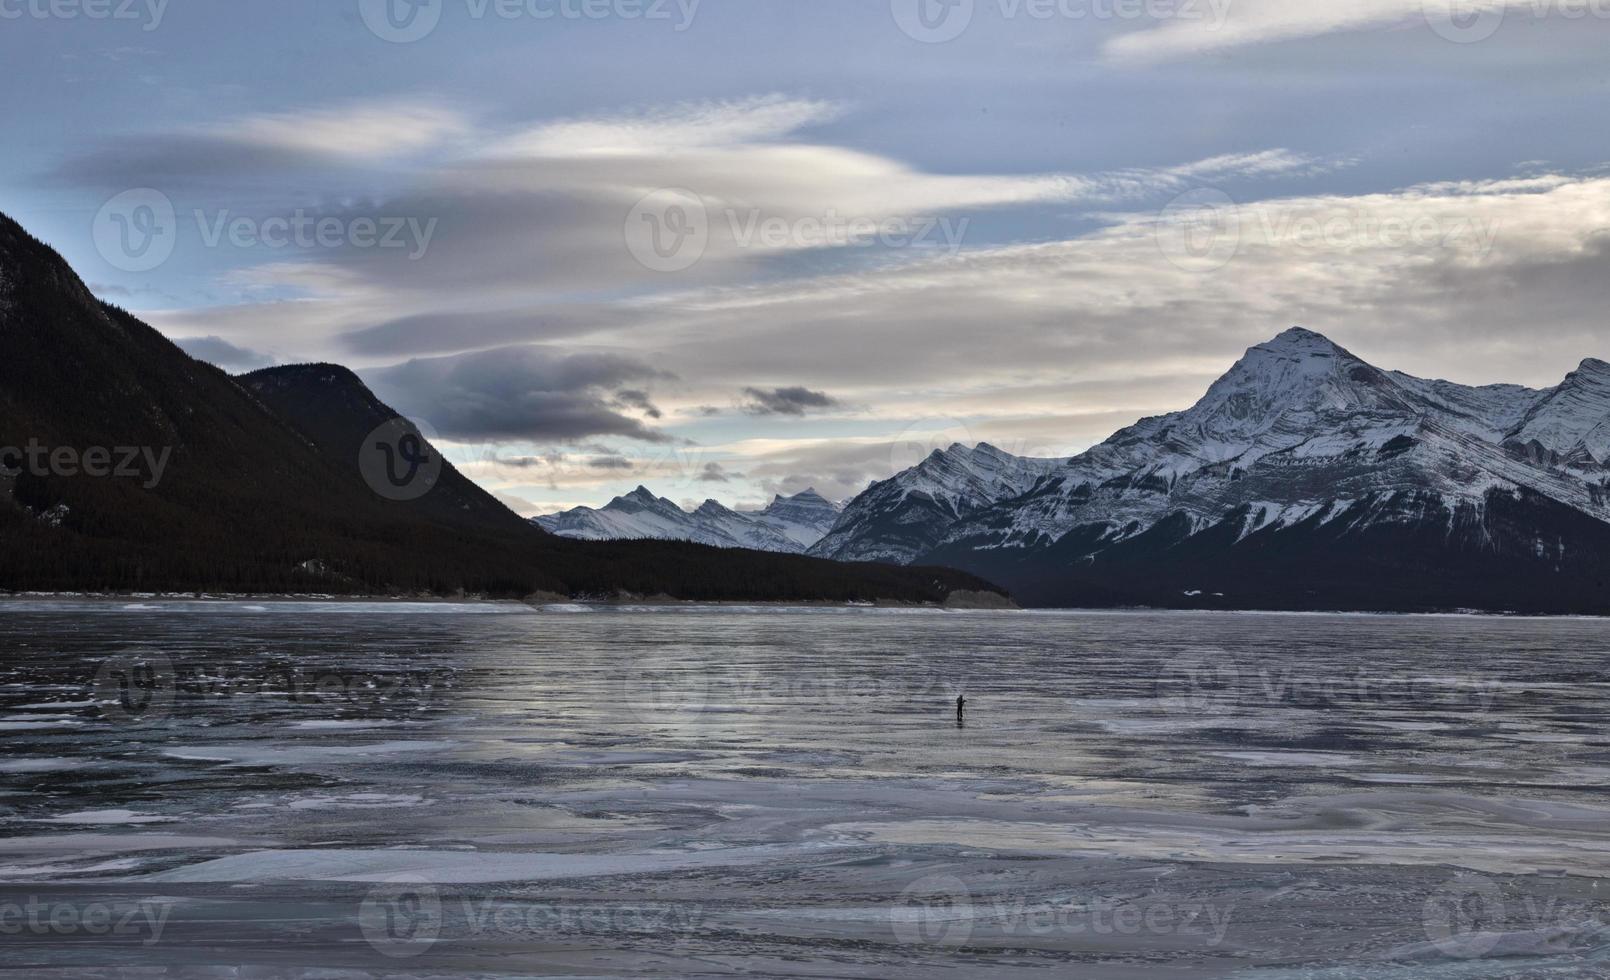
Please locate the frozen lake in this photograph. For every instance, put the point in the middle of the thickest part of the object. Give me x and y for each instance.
(333, 790)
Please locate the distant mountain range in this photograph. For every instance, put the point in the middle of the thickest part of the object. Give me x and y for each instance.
(1304, 479)
(158, 472)
(789, 524)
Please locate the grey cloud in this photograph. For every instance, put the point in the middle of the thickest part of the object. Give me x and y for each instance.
(549, 235)
(632, 398)
(550, 459)
(177, 160)
(519, 505)
(518, 393)
(610, 463)
(836, 470)
(716, 473)
(451, 331)
(218, 351)
(785, 401)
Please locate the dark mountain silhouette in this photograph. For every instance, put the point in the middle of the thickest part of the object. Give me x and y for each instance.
(153, 471)
(334, 408)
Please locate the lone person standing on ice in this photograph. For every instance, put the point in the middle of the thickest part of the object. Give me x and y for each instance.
(961, 706)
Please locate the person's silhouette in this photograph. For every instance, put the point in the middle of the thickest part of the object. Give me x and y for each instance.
(961, 705)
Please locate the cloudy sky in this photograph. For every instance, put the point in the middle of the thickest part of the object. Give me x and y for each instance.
(728, 248)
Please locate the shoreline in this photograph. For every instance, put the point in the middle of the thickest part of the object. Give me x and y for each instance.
(968, 601)
(541, 604)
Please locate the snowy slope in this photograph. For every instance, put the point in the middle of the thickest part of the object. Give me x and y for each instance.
(1299, 430)
(803, 518)
(904, 516)
(790, 524)
(1300, 424)
(1572, 419)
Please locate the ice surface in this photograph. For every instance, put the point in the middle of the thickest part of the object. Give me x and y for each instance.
(705, 791)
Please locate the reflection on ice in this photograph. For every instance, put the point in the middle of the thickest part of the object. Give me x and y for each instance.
(468, 790)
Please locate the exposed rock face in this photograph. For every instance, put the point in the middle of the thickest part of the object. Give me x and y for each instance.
(1304, 478)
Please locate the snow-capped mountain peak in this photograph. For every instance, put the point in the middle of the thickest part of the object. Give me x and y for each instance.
(805, 499)
(1572, 417)
(790, 524)
(642, 495)
(1298, 433)
(901, 517)
(1297, 371)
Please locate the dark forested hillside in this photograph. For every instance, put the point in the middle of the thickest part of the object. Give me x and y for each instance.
(337, 412)
(136, 467)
